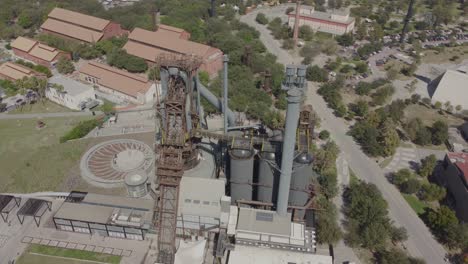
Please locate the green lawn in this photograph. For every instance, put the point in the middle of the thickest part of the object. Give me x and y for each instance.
(44, 106)
(418, 206)
(57, 255)
(32, 159)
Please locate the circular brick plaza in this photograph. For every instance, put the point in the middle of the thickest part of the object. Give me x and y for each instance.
(107, 164)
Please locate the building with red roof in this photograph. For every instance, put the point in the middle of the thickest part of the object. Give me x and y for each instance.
(336, 22)
(454, 175)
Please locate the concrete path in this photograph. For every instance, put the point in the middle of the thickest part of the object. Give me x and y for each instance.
(46, 115)
(342, 252)
(421, 243)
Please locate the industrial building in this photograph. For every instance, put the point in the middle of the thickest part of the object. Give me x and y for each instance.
(451, 87)
(336, 22)
(106, 215)
(149, 45)
(454, 176)
(36, 52)
(75, 95)
(12, 71)
(73, 25)
(126, 86)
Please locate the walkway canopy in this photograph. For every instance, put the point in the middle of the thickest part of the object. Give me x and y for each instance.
(7, 204)
(35, 208)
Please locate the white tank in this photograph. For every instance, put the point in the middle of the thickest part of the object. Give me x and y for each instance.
(136, 184)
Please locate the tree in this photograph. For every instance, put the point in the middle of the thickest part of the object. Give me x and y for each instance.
(154, 74)
(107, 107)
(325, 158)
(411, 186)
(441, 219)
(427, 165)
(316, 74)
(398, 234)
(439, 132)
(401, 176)
(261, 19)
(3, 107)
(415, 98)
(437, 105)
(432, 192)
(423, 136)
(361, 108)
(388, 138)
(345, 40)
(309, 51)
(328, 230)
(324, 134)
(288, 44)
(65, 66)
(306, 33)
(25, 20)
(392, 256)
(392, 73)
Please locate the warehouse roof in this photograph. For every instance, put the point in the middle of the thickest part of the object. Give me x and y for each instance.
(194, 199)
(326, 16)
(263, 221)
(79, 19)
(452, 88)
(16, 71)
(72, 31)
(176, 32)
(36, 49)
(164, 42)
(115, 79)
(258, 255)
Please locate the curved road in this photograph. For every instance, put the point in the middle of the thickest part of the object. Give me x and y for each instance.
(421, 243)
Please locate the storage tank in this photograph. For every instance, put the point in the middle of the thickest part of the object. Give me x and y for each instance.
(300, 181)
(241, 174)
(268, 177)
(136, 184)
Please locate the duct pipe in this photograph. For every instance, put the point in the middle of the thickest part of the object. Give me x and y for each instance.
(216, 102)
(225, 94)
(292, 119)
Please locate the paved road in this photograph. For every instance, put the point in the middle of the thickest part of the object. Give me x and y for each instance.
(45, 115)
(421, 242)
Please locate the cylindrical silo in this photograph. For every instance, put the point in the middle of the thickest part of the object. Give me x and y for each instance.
(268, 177)
(241, 174)
(300, 181)
(136, 184)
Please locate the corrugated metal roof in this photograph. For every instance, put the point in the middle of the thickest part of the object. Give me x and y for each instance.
(71, 30)
(119, 80)
(79, 19)
(249, 220)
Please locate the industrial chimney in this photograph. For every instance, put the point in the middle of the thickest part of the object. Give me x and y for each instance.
(155, 14)
(294, 84)
(296, 22)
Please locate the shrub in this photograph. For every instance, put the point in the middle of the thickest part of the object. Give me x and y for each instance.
(81, 130)
(316, 74)
(324, 134)
(411, 186)
(65, 66)
(261, 19)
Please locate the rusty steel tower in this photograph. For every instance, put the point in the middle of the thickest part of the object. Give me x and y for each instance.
(176, 151)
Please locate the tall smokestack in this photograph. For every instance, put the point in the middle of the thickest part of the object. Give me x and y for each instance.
(296, 22)
(155, 15)
(225, 94)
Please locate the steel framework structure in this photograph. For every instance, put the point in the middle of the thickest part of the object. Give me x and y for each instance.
(176, 146)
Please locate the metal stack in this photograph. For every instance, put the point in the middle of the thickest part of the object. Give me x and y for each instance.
(241, 170)
(268, 176)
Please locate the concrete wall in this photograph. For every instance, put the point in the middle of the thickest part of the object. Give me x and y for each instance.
(72, 102)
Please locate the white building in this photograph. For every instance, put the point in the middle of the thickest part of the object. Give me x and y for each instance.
(73, 95)
(452, 86)
(199, 209)
(126, 86)
(336, 22)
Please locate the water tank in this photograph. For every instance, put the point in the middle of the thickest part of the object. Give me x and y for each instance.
(300, 181)
(136, 184)
(268, 178)
(241, 174)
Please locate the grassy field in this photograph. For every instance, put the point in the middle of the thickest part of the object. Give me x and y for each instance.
(41, 107)
(418, 206)
(61, 255)
(452, 55)
(32, 159)
(429, 115)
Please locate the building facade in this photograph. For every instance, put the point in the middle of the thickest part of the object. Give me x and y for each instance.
(126, 86)
(73, 25)
(11, 71)
(454, 175)
(38, 53)
(75, 95)
(336, 22)
(151, 44)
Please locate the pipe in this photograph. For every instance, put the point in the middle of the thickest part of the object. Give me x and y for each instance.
(225, 94)
(216, 102)
(292, 120)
